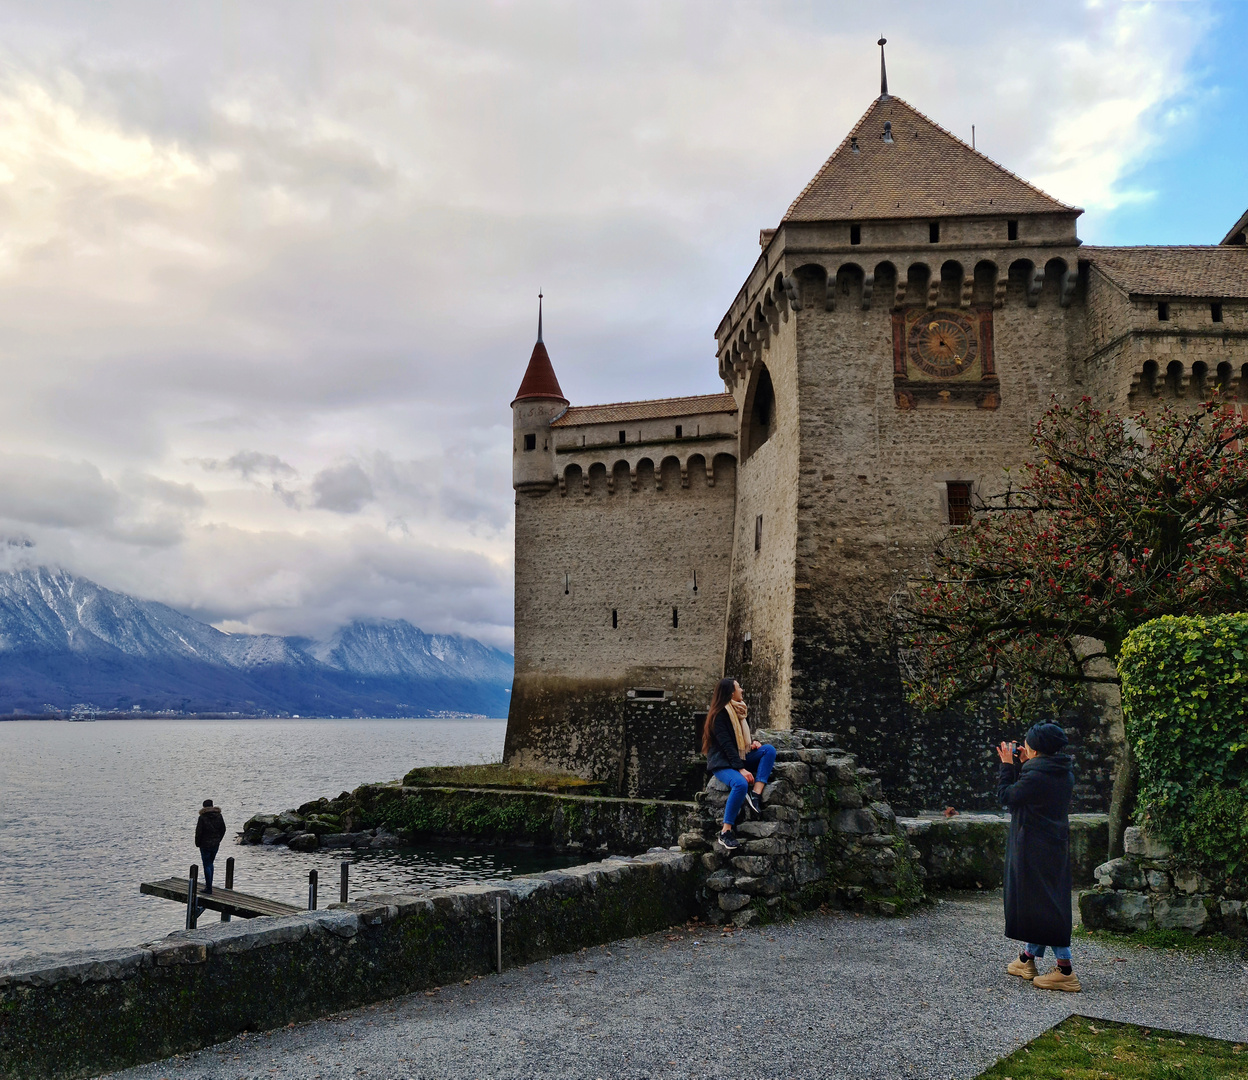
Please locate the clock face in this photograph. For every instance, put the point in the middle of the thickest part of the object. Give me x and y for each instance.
(944, 344)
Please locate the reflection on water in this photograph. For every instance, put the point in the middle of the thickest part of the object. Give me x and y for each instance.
(88, 810)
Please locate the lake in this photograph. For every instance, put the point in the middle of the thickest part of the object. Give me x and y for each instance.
(88, 810)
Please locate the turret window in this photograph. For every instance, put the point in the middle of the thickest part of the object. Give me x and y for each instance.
(530, 442)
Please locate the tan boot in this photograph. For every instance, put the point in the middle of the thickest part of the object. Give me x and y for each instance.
(1023, 970)
(1055, 980)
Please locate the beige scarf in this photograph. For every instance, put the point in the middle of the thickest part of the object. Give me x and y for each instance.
(736, 713)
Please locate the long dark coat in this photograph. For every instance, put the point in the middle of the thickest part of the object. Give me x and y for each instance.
(1037, 860)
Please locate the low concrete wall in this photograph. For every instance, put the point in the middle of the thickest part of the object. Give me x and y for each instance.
(377, 815)
(79, 1014)
(967, 851)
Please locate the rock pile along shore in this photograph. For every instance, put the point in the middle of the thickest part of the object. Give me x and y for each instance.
(1149, 888)
(826, 836)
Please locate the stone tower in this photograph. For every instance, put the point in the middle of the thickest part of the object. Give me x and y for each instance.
(538, 402)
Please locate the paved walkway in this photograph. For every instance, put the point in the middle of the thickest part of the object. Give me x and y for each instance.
(825, 996)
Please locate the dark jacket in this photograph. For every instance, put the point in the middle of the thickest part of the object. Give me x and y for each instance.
(210, 828)
(723, 753)
(1037, 859)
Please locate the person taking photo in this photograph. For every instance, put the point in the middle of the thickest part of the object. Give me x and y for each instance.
(1036, 782)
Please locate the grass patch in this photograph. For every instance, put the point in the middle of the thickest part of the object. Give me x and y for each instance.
(500, 776)
(1080, 1048)
(1164, 939)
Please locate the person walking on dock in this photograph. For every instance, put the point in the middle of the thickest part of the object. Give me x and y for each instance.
(209, 832)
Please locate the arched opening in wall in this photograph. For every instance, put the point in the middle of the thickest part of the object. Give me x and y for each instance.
(695, 469)
(885, 284)
(849, 286)
(645, 475)
(621, 476)
(1019, 280)
(573, 481)
(1174, 378)
(950, 283)
(1148, 379)
(597, 478)
(1224, 378)
(760, 410)
(670, 473)
(917, 278)
(725, 469)
(812, 284)
(1054, 274)
(1200, 380)
(985, 288)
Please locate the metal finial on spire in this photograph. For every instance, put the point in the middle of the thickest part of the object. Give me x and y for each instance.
(883, 71)
(539, 314)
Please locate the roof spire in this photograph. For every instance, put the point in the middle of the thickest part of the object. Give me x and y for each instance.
(539, 314)
(883, 71)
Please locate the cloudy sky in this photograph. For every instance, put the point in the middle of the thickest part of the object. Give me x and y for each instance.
(268, 270)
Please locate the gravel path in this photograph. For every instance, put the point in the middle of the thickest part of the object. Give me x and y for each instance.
(825, 996)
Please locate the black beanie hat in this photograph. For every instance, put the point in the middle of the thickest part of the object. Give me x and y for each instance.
(1046, 738)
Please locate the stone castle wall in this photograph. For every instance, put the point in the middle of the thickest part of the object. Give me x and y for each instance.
(618, 698)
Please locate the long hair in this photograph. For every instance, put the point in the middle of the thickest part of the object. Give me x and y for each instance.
(723, 694)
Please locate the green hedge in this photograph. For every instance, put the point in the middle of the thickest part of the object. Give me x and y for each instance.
(1185, 703)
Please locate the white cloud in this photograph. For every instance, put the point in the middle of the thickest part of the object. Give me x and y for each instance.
(267, 283)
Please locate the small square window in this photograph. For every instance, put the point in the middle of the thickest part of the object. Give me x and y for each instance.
(758, 533)
(1011, 230)
(933, 232)
(1163, 311)
(530, 442)
(959, 497)
(622, 437)
(855, 234)
(679, 431)
(1215, 312)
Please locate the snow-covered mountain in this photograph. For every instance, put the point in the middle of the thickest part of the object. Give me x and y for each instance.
(64, 641)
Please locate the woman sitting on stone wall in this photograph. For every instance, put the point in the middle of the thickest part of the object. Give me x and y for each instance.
(1037, 790)
(735, 759)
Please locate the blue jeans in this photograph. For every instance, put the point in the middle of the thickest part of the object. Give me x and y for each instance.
(759, 762)
(206, 856)
(1060, 952)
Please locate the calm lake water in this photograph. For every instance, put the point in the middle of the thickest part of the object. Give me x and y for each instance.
(88, 810)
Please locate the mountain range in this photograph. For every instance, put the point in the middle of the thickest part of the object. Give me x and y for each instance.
(68, 645)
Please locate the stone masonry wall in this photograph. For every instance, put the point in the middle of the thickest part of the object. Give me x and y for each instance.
(761, 604)
(80, 1014)
(579, 557)
(1148, 888)
(826, 836)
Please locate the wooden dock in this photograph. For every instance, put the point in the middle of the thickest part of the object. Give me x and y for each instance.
(227, 901)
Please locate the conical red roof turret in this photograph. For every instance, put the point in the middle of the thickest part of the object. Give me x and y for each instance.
(539, 377)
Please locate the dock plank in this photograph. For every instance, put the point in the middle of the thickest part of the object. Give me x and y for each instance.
(228, 901)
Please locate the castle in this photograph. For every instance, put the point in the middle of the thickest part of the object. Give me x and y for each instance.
(886, 359)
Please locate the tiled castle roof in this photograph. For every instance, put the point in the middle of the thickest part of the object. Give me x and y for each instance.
(658, 409)
(925, 172)
(1216, 272)
(539, 378)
